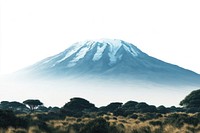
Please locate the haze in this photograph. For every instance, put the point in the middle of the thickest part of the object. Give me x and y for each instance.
(99, 92)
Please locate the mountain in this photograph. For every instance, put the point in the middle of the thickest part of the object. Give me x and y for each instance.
(110, 59)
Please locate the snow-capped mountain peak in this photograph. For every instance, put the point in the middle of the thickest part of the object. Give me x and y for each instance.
(115, 44)
(80, 49)
(113, 59)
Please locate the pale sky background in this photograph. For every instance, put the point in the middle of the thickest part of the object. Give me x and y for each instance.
(35, 29)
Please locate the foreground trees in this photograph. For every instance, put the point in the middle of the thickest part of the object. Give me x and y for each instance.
(192, 102)
(81, 116)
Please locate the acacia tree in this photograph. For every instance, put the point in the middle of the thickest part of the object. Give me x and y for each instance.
(33, 104)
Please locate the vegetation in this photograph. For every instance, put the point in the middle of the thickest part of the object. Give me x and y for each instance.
(81, 116)
(192, 101)
(17, 107)
(33, 104)
(105, 123)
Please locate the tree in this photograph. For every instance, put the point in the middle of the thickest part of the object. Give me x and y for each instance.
(130, 105)
(162, 109)
(78, 104)
(77, 107)
(111, 107)
(192, 100)
(33, 104)
(17, 107)
(143, 107)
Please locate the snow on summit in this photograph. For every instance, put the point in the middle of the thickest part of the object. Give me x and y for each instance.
(115, 44)
(80, 49)
(99, 52)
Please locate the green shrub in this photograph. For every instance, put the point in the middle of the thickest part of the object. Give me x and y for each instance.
(156, 123)
(98, 125)
(144, 129)
(8, 119)
(133, 116)
(178, 120)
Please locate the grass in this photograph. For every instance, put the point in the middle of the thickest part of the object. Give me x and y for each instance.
(116, 124)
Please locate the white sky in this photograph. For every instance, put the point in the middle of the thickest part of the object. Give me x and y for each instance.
(35, 29)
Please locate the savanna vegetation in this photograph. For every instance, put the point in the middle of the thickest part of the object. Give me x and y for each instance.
(81, 116)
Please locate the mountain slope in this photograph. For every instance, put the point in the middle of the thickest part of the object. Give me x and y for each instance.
(111, 59)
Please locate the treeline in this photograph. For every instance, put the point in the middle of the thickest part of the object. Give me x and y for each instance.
(79, 106)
